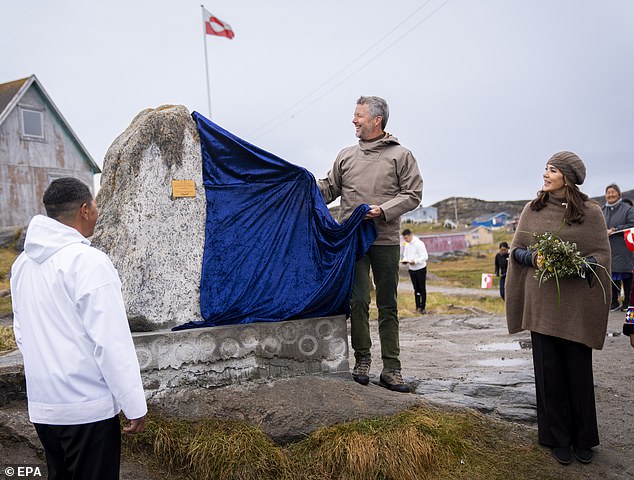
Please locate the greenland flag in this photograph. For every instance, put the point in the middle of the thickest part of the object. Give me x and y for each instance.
(215, 26)
(487, 280)
(629, 239)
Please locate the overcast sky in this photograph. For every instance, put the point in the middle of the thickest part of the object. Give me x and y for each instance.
(481, 91)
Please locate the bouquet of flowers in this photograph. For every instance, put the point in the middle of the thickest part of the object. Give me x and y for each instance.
(557, 258)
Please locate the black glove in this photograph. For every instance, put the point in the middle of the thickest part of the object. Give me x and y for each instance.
(589, 271)
(523, 256)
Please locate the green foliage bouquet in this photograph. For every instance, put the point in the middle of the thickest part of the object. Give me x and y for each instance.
(557, 258)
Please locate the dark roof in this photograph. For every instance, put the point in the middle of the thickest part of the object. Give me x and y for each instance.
(9, 90)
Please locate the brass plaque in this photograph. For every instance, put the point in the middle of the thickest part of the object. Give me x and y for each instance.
(183, 188)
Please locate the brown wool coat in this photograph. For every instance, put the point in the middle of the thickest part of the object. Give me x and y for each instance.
(582, 314)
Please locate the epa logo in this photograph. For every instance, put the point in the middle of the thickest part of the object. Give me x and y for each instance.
(22, 471)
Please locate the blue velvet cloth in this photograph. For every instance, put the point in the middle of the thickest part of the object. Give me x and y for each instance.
(272, 250)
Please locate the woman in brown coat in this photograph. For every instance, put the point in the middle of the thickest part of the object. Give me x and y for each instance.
(566, 321)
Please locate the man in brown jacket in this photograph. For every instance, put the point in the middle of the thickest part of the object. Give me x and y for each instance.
(383, 174)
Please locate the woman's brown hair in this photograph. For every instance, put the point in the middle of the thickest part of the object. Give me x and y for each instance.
(575, 199)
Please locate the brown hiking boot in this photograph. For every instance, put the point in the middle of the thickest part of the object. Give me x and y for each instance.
(361, 370)
(392, 380)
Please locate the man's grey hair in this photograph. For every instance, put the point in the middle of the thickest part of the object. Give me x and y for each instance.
(378, 107)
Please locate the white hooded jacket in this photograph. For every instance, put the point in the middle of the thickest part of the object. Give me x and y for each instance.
(415, 251)
(71, 327)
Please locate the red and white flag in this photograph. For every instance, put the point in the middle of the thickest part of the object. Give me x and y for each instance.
(487, 280)
(629, 239)
(215, 26)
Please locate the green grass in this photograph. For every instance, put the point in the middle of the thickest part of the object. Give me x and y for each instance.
(443, 303)
(7, 257)
(419, 443)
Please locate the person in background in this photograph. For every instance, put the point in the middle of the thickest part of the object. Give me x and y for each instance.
(568, 318)
(501, 264)
(70, 324)
(619, 216)
(628, 326)
(383, 174)
(415, 256)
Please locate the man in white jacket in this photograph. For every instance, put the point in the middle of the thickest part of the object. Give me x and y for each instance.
(415, 256)
(70, 325)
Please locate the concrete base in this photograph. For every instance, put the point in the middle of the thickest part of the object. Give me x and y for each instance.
(218, 356)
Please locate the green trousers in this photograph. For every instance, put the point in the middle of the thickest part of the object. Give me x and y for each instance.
(383, 259)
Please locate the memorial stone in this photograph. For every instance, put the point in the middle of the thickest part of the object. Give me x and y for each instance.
(153, 233)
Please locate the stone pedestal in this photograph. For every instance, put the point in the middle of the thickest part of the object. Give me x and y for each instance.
(218, 356)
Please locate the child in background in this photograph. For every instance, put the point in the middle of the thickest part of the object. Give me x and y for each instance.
(501, 264)
(628, 326)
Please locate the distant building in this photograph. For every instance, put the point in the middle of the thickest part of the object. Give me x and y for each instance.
(438, 244)
(421, 215)
(37, 146)
(479, 236)
(497, 220)
(456, 241)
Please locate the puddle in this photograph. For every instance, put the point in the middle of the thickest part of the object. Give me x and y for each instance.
(502, 362)
(495, 347)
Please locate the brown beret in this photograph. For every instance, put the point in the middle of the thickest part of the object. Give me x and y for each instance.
(570, 165)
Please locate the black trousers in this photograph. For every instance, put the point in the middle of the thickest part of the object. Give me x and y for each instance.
(566, 411)
(502, 284)
(419, 277)
(90, 451)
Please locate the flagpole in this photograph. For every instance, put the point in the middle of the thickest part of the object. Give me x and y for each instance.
(206, 63)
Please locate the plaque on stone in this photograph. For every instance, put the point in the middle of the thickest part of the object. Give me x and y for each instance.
(183, 188)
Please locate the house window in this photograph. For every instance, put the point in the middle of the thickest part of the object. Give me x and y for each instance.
(32, 123)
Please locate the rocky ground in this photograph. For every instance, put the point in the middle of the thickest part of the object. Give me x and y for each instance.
(466, 360)
(471, 360)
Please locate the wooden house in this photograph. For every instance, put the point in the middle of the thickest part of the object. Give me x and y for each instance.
(492, 221)
(441, 243)
(421, 215)
(37, 145)
(479, 236)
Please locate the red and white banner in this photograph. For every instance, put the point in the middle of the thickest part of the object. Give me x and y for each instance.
(215, 26)
(629, 239)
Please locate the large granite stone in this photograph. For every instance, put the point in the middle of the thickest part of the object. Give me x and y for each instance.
(154, 240)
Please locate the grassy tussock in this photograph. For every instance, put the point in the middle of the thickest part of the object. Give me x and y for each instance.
(223, 450)
(7, 339)
(405, 446)
(418, 444)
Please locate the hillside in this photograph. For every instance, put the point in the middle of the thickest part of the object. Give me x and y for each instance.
(471, 208)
